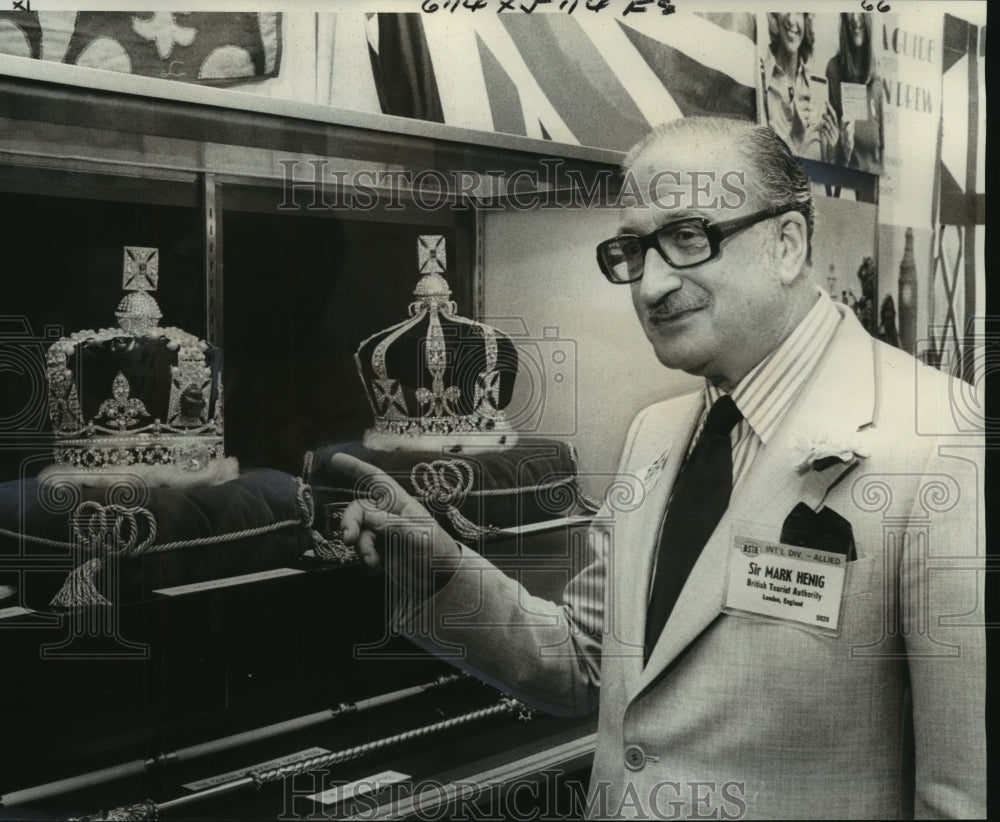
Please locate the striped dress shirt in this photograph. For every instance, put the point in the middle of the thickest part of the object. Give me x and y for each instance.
(765, 394)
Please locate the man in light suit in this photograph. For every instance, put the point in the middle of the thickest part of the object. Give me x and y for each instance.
(725, 692)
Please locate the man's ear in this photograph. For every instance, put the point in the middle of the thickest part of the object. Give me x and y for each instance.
(793, 245)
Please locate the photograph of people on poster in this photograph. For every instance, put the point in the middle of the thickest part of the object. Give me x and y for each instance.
(855, 90)
(822, 90)
(796, 96)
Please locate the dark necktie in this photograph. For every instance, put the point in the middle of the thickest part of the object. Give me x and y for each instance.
(699, 499)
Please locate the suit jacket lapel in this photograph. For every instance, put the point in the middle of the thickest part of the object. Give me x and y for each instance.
(839, 395)
(638, 534)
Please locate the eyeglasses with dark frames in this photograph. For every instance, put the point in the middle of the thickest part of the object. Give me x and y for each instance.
(683, 243)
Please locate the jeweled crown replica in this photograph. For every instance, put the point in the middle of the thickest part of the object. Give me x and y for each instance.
(437, 379)
(138, 398)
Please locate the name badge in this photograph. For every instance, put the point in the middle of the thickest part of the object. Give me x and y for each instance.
(800, 586)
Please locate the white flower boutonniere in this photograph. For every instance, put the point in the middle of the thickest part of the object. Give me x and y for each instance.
(828, 449)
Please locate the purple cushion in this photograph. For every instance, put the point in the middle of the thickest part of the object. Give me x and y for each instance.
(532, 482)
(230, 513)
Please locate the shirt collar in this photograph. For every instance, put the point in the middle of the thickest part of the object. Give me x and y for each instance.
(774, 69)
(765, 394)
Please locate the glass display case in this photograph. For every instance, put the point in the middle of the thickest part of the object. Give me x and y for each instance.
(225, 659)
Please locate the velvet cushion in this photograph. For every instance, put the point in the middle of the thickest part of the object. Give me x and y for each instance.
(228, 512)
(532, 482)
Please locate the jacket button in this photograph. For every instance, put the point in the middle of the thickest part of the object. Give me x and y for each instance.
(635, 758)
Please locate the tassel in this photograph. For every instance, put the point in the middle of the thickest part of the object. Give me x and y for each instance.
(466, 528)
(80, 588)
(335, 550)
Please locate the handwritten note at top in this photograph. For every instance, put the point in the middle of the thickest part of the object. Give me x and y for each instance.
(625, 7)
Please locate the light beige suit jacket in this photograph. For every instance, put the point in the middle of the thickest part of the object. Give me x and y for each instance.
(744, 717)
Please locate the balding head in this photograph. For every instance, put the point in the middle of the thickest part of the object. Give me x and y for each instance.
(773, 176)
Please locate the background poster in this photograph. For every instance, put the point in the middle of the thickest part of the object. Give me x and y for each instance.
(910, 56)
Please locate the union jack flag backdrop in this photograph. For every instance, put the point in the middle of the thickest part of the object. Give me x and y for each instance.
(596, 80)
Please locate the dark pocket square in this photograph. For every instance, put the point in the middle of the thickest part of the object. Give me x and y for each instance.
(825, 530)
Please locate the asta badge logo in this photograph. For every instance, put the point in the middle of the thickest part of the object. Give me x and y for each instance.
(751, 549)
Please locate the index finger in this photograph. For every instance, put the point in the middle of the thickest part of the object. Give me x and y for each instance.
(387, 494)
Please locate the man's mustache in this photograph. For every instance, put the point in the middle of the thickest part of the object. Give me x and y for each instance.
(676, 302)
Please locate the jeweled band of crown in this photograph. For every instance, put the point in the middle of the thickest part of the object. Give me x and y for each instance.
(431, 393)
(159, 415)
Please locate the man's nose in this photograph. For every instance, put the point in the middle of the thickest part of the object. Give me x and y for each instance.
(658, 277)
